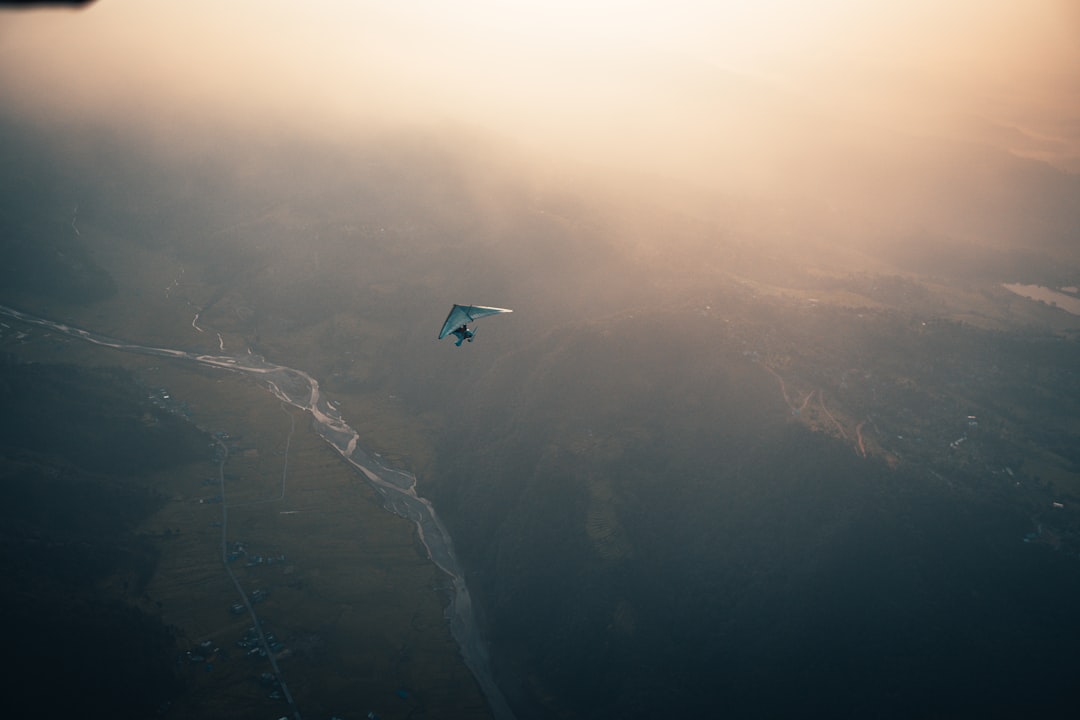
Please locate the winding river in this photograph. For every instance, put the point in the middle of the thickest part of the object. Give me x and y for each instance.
(397, 488)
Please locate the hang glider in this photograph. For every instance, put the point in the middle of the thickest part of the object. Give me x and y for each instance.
(457, 322)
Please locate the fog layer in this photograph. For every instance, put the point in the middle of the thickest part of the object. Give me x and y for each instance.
(764, 425)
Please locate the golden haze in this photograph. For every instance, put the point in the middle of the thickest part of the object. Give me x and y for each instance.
(673, 87)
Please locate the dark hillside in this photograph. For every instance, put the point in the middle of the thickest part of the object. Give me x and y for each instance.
(651, 534)
(74, 568)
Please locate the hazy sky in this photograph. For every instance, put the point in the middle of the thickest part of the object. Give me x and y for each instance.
(642, 79)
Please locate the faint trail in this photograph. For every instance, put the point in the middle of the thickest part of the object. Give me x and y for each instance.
(861, 443)
(821, 401)
(783, 387)
(795, 409)
(284, 467)
(263, 644)
(74, 217)
(175, 283)
(262, 215)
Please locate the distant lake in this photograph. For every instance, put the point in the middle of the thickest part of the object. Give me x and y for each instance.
(1068, 303)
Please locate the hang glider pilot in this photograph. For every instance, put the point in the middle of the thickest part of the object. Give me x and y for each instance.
(462, 333)
(457, 321)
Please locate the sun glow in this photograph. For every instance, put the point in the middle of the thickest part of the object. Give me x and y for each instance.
(623, 79)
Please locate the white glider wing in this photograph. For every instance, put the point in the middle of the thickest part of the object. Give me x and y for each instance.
(465, 314)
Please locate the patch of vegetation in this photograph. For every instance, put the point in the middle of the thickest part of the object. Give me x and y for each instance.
(95, 418)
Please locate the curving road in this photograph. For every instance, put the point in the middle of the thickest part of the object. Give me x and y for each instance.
(398, 488)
